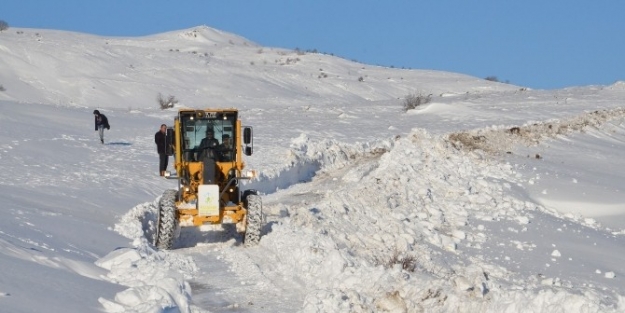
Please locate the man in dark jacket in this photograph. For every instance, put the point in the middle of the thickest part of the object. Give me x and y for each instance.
(101, 122)
(225, 149)
(208, 145)
(160, 138)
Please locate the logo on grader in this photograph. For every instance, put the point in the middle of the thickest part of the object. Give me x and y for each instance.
(209, 204)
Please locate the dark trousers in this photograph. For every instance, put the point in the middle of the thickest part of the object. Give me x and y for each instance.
(163, 160)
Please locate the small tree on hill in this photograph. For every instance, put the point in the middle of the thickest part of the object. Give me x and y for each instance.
(166, 103)
(3, 25)
(413, 100)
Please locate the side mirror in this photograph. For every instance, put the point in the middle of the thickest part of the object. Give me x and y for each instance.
(247, 135)
(248, 150)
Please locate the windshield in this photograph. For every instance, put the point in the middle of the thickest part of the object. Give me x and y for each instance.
(195, 128)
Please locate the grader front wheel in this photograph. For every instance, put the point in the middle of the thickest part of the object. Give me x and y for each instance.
(254, 220)
(167, 222)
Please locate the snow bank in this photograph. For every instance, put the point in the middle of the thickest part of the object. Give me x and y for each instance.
(157, 280)
(385, 236)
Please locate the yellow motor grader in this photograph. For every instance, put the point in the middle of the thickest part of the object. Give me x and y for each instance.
(208, 146)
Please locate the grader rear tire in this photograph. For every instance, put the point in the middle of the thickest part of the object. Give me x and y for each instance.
(254, 218)
(167, 222)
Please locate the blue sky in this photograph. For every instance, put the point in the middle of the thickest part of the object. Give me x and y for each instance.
(538, 44)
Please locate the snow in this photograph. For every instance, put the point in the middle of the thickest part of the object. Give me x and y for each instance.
(489, 198)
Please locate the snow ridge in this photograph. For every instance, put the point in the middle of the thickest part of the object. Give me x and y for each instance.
(351, 231)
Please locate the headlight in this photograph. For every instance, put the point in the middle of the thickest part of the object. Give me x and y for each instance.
(249, 173)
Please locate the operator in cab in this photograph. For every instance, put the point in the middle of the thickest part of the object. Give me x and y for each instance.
(208, 145)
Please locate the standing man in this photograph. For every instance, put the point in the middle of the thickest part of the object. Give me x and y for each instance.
(160, 138)
(101, 122)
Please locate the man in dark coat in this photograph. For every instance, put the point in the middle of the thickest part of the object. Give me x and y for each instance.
(160, 138)
(101, 122)
(208, 145)
(225, 149)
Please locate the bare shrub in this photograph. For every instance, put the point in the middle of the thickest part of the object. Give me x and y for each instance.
(408, 262)
(495, 79)
(361, 79)
(2, 88)
(292, 61)
(166, 103)
(3, 25)
(412, 101)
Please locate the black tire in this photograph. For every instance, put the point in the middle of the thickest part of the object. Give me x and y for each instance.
(254, 220)
(167, 222)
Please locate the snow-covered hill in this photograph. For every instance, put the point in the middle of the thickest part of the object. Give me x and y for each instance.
(489, 198)
(199, 66)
